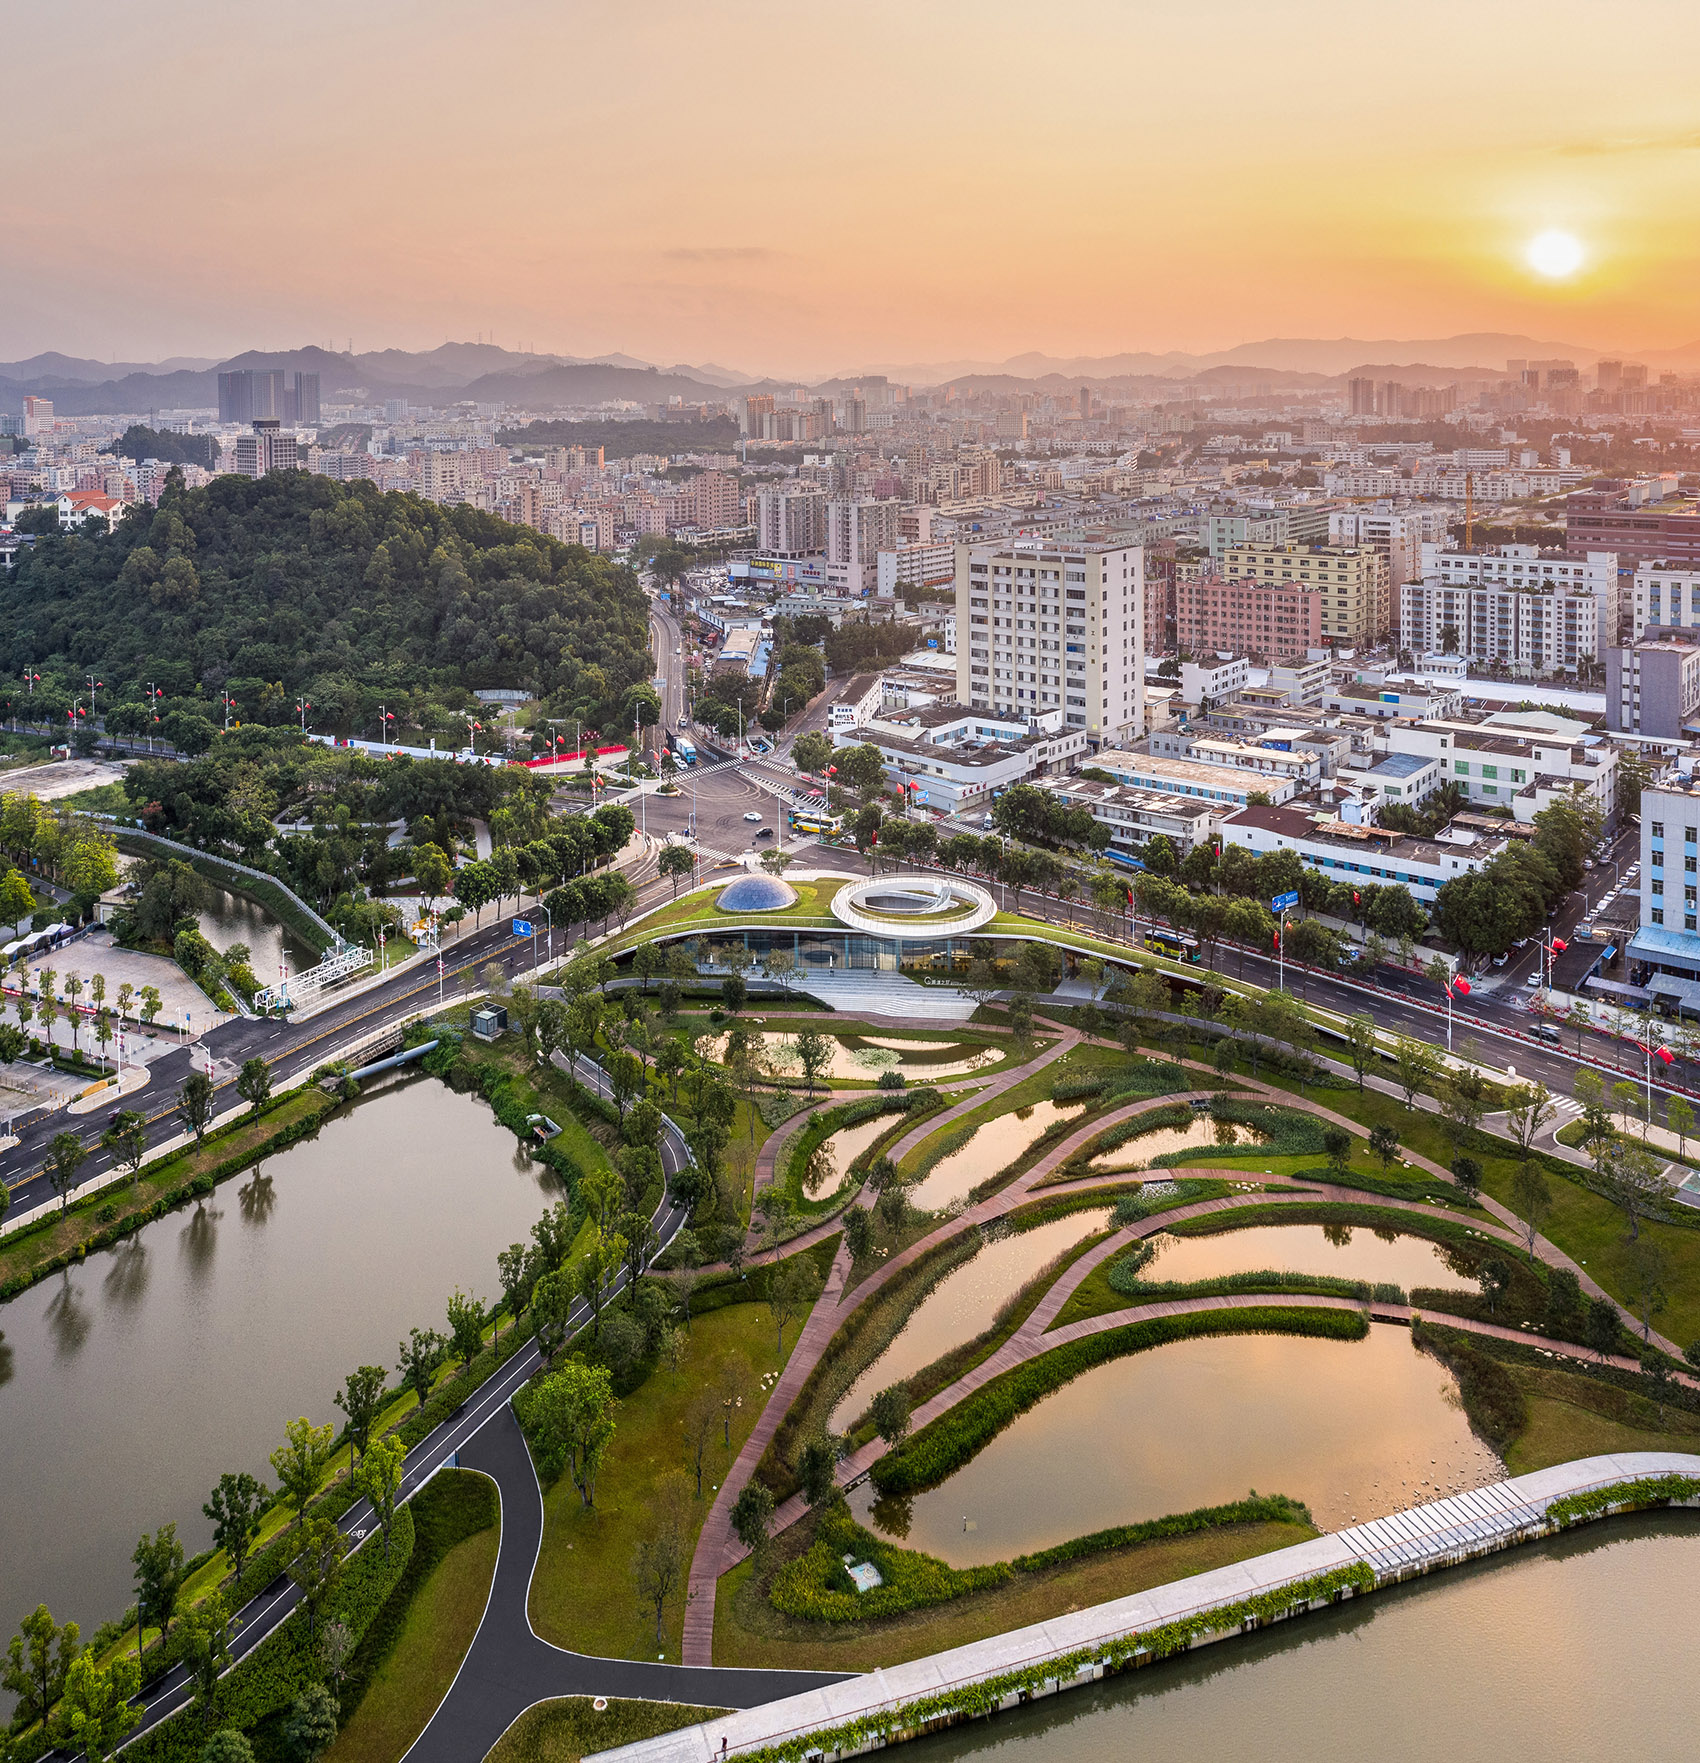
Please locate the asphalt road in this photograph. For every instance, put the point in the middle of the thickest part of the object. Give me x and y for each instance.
(503, 1457)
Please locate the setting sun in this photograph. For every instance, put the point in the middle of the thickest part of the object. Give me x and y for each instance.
(1555, 254)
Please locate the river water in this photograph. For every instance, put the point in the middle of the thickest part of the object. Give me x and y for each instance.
(1576, 1648)
(1355, 1429)
(232, 918)
(127, 1385)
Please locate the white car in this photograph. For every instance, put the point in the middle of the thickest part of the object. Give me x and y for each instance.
(752, 816)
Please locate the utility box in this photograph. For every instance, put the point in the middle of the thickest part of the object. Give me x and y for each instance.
(488, 1023)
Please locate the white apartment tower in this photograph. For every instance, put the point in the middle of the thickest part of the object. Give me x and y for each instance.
(791, 522)
(1055, 627)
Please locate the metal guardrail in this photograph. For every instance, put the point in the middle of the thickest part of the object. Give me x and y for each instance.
(155, 842)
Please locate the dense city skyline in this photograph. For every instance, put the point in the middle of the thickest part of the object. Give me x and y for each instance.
(674, 186)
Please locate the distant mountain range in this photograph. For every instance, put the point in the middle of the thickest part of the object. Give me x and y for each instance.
(487, 374)
(478, 371)
(1485, 352)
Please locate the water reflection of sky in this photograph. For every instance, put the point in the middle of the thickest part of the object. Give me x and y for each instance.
(128, 1384)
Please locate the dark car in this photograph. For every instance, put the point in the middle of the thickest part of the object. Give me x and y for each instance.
(765, 832)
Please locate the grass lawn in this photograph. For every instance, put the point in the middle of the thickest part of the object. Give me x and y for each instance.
(1572, 1416)
(748, 1631)
(566, 1730)
(582, 1595)
(410, 1683)
(1586, 1227)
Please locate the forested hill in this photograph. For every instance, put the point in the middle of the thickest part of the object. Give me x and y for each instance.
(301, 584)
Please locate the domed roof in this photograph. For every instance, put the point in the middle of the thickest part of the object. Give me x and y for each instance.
(757, 893)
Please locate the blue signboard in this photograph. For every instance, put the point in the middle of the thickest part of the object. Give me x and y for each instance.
(1282, 901)
(522, 927)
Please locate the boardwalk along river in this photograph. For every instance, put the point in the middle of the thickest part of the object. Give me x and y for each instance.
(1576, 1648)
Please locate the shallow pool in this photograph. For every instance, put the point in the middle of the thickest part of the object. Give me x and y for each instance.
(998, 1142)
(1343, 1250)
(963, 1303)
(866, 1056)
(1355, 1429)
(835, 1153)
(1196, 1135)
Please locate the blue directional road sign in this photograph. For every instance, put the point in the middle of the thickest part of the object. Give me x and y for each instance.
(522, 926)
(1282, 901)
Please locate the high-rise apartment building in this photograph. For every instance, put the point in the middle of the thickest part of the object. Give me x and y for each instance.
(791, 522)
(268, 394)
(1360, 394)
(1357, 602)
(1399, 537)
(1653, 688)
(856, 531)
(1266, 621)
(266, 449)
(1054, 627)
(38, 416)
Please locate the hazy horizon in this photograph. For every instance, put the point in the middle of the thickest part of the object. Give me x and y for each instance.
(779, 194)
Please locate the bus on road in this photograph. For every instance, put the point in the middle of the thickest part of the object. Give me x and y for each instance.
(1177, 945)
(818, 821)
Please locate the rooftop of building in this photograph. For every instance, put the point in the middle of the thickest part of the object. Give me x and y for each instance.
(1182, 770)
(1401, 765)
(1091, 789)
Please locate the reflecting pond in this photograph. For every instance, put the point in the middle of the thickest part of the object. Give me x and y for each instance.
(1196, 1135)
(138, 1377)
(866, 1056)
(963, 1303)
(1353, 1428)
(233, 918)
(995, 1144)
(1346, 1251)
(1576, 1648)
(835, 1153)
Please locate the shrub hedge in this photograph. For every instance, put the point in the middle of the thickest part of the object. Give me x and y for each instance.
(816, 1586)
(929, 1456)
(1255, 1509)
(266, 1681)
(454, 1505)
(1123, 1277)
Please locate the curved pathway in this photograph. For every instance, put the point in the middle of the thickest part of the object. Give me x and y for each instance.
(509, 1668)
(825, 1319)
(999, 1085)
(717, 1546)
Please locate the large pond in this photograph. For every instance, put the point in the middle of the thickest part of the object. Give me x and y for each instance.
(128, 1384)
(1196, 1135)
(1355, 1429)
(1577, 1648)
(963, 1303)
(231, 918)
(994, 1145)
(1345, 1251)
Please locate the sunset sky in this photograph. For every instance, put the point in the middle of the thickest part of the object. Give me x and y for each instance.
(804, 189)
